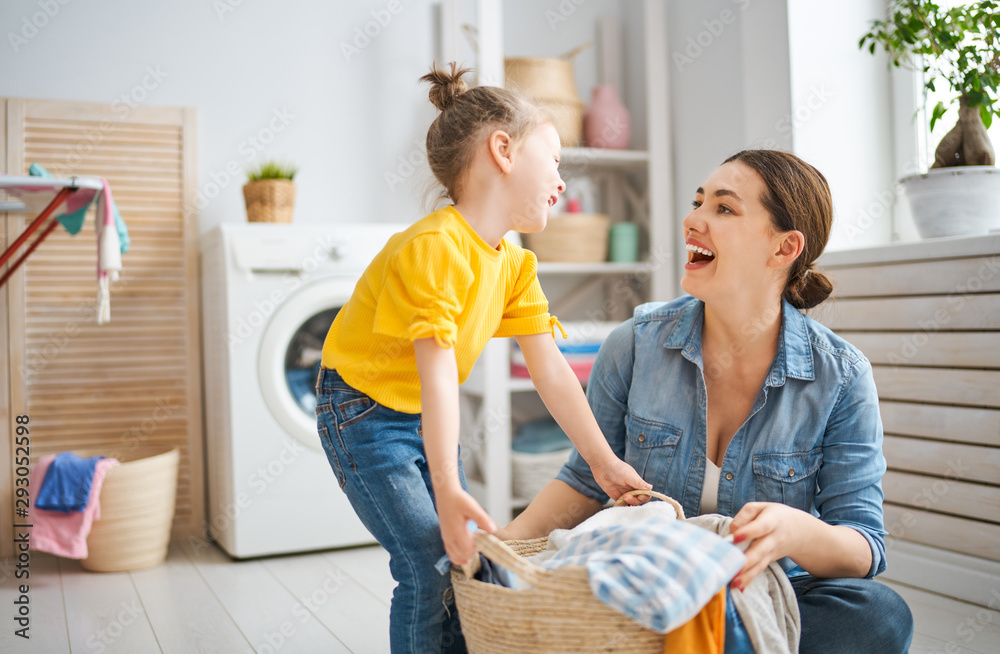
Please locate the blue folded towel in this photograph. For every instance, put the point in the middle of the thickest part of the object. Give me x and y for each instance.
(66, 486)
(540, 436)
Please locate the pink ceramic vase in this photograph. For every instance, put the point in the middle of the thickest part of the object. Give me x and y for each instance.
(606, 124)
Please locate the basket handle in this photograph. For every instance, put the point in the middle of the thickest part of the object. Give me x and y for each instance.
(660, 496)
(499, 552)
(575, 51)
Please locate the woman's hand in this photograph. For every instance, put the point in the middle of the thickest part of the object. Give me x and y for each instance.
(774, 531)
(455, 508)
(617, 477)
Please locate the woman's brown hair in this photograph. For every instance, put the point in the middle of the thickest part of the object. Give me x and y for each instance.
(798, 198)
(467, 116)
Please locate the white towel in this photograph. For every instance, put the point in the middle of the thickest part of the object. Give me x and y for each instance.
(109, 255)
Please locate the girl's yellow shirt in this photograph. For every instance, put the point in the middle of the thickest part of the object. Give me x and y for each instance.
(437, 279)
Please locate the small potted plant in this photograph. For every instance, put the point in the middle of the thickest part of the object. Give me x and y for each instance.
(959, 47)
(270, 192)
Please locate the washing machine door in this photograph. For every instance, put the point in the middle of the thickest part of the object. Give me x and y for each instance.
(290, 354)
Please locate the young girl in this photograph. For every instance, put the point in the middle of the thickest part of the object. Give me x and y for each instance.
(387, 410)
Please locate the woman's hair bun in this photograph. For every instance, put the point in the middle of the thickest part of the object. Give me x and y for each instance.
(809, 291)
(445, 86)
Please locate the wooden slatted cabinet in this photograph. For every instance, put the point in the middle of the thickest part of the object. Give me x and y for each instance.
(137, 379)
(927, 315)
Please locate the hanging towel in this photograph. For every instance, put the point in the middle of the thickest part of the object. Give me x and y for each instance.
(109, 254)
(75, 210)
(112, 235)
(65, 534)
(66, 486)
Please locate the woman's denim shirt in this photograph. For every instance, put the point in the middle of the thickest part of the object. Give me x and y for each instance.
(813, 439)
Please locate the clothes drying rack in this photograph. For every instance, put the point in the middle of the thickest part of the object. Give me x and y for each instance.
(59, 189)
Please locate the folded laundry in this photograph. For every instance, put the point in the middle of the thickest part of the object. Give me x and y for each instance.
(65, 534)
(66, 486)
(540, 436)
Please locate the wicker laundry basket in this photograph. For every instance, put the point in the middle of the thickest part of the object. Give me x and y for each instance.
(559, 614)
(137, 511)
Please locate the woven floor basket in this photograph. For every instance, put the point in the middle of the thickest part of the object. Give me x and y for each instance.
(137, 511)
(559, 614)
(269, 200)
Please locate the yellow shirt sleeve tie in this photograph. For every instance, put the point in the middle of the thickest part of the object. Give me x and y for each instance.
(427, 325)
(553, 323)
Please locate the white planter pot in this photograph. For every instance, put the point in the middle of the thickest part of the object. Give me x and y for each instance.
(957, 201)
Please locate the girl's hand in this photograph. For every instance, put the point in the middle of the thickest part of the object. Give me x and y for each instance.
(455, 508)
(773, 530)
(616, 477)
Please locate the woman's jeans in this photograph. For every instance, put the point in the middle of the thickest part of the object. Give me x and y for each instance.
(838, 615)
(378, 457)
(851, 615)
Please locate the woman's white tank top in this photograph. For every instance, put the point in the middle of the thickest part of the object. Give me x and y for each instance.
(710, 489)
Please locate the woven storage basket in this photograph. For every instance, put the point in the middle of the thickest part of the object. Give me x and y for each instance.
(269, 200)
(530, 472)
(559, 614)
(549, 81)
(572, 237)
(137, 511)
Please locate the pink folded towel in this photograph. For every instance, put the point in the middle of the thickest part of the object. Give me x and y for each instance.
(65, 534)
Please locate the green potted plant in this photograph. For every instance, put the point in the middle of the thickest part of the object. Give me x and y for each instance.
(958, 47)
(270, 192)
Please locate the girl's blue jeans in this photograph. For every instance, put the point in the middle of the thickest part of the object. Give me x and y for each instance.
(378, 457)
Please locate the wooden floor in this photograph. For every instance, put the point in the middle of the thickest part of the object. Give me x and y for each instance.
(331, 602)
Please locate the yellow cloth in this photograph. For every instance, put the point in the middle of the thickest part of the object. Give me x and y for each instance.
(705, 633)
(437, 279)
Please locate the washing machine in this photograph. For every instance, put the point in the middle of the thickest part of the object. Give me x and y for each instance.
(269, 294)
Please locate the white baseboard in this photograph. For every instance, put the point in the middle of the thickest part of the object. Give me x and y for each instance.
(967, 578)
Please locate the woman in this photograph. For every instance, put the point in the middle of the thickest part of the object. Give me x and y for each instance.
(733, 402)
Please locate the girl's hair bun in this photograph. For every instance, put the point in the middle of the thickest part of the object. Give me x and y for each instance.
(445, 86)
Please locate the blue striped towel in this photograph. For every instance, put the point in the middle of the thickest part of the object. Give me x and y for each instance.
(659, 573)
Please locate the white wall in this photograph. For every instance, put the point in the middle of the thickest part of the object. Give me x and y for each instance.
(843, 118)
(355, 122)
(728, 85)
(786, 74)
(742, 73)
(345, 123)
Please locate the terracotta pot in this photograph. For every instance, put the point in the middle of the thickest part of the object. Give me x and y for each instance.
(607, 123)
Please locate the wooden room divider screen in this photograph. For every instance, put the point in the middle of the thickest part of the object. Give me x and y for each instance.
(136, 380)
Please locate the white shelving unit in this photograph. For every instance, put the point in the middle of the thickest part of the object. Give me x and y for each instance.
(633, 183)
